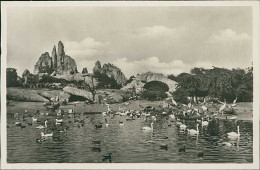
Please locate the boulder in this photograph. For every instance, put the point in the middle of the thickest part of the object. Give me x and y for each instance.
(24, 95)
(51, 94)
(78, 92)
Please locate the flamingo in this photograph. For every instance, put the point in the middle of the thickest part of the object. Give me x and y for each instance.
(234, 134)
(221, 109)
(234, 103)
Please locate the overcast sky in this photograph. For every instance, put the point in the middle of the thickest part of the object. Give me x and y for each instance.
(169, 40)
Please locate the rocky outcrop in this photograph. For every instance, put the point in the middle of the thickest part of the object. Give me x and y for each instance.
(78, 92)
(44, 64)
(24, 95)
(111, 71)
(51, 94)
(59, 62)
(141, 79)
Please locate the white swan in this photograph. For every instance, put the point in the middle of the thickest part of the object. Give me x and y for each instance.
(47, 135)
(146, 128)
(234, 134)
(41, 127)
(183, 127)
(193, 131)
(204, 123)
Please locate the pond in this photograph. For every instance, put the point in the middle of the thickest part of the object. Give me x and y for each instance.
(128, 143)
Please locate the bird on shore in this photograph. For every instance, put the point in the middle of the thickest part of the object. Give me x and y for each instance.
(221, 109)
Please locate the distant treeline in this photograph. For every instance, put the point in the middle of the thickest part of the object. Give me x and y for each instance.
(217, 83)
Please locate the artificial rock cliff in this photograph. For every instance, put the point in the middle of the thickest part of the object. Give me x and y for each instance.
(58, 62)
(141, 79)
(111, 71)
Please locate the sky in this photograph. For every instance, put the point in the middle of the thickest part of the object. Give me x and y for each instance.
(168, 40)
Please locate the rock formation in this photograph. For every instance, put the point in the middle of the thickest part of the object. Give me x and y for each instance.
(141, 79)
(111, 71)
(58, 62)
(54, 57)
(44, 64)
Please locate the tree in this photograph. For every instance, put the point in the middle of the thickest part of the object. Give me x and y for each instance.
(155, 90)
(11, 77)
(91, 84)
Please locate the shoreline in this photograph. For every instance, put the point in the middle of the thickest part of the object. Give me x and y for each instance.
(244, 111)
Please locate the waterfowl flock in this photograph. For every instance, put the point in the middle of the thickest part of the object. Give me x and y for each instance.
(178, 117)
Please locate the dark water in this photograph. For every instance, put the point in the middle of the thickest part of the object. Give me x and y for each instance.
(128, 143)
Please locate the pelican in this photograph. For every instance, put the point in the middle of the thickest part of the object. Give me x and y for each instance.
(193, 131)
(234, 134)
(146, 128)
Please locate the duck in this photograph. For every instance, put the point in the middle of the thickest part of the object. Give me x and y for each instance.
(146, 128)
(107, 157)
(98, 126)
(234, 134)
(193, 131)
(164, 147)
(200, 154)
(227, 144)
(183, 149)
(96, 141)
(121, 123)
(47, 135)
(41, 127)
(40, 140)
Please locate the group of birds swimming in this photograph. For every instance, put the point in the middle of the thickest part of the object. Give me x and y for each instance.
(131, 115)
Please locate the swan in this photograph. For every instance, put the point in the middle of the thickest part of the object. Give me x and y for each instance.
(227, 144)
(204, 123)
(234, 134)
(47, 135)
(193, 131)
(41, 127)
(146, 128)
(183, 127)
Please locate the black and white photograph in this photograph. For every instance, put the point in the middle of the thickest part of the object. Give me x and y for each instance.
(97, 84)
